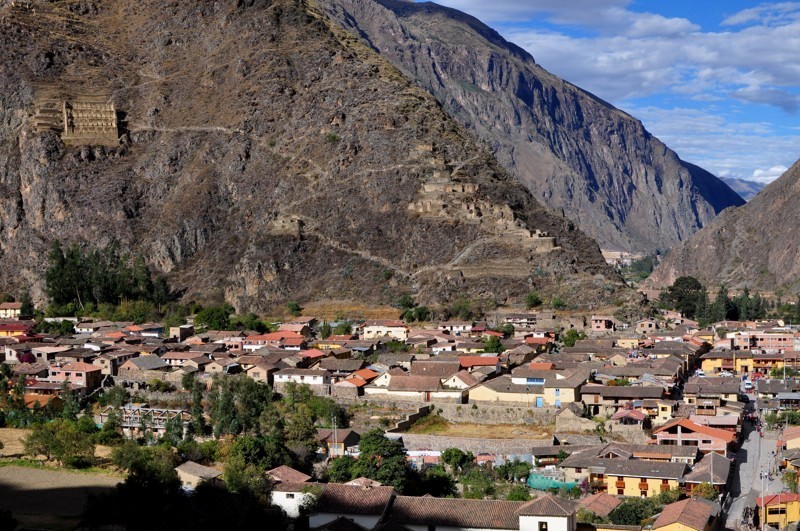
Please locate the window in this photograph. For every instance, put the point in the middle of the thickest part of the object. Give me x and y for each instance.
(706, 442)
(665, 482)
(620, 492)
(578, 470)
(289, 496)
(558, 391)
(542, 526)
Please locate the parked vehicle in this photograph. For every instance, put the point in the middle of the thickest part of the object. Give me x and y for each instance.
(748, 385)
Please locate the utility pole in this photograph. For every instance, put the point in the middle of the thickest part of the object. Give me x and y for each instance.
(335, 441)
(763, 512)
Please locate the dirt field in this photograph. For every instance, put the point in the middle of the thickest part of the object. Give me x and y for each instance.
(12, 442)
(439, 426)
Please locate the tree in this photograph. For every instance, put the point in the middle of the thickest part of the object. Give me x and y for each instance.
(63, 441)
(532, 300)
(71, 406)
(789, 479)
(382, 459)
(340, 469)
(705, 490)
(477, 483)
(214, 317)
(457, 459)
(519, 493)
(294, 308)
(325, 330)
(493, 344)
(669, 496)
(344, 328)
(571, 336)
(688, 296)
(585, 516)
(632, 511)
(27, 310)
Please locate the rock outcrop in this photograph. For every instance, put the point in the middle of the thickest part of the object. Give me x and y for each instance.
(265, 154)
(755, 245)
(620, 185)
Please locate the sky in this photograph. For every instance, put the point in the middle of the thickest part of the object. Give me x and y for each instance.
(717, 80)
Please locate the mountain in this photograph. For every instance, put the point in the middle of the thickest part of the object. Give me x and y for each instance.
(755, 245)
(746, 189)
(265, 155)
(575, 152)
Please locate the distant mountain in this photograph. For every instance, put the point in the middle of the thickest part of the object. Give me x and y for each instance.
(746, 189)
(755, 245)
(575, 152)
(266, 155)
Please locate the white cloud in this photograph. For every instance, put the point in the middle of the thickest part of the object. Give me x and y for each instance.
(765, 14)
(769, 174)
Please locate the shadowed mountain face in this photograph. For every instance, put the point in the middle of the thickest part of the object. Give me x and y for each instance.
(755, 245)
(266, 155)
(572, 150)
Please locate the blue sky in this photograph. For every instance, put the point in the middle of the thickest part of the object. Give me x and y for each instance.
(717, 81)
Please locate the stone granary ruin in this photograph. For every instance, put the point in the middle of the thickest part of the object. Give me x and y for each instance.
(80, 119)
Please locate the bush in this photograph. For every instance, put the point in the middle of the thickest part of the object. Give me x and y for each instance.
(532, 300)
(633, 511)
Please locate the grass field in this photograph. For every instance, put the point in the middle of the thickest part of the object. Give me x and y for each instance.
(436, 425)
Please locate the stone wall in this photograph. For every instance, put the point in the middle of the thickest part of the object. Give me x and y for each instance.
(476, 446)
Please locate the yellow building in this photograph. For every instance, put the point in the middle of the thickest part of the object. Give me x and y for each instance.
(730, 360)
(779, 510)
(621, 476)
(690, 514)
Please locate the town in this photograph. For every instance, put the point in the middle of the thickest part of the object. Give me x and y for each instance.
(517, 421)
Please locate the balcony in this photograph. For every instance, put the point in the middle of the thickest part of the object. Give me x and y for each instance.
(664, 488)
(643, 485)
(620, 484)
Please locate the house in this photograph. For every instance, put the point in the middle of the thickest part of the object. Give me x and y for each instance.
(385, 328)
(14, 329)
(470, 363)
(287, 474)
(778, 510)
(10, 310)
(646, 326)
(713, 469)
(78, 373)
(441, 369)
(691, 514)
(262, 372)
(363, 506)
(461, 380)
(600, 503)
(110, 362)
(609, 397)
(417, 388)
(623, 475)
(602, 323)
(337, 442)
(143, 363)
(456, 327)
(684, 432)
(303, 376)
(193, 474)
(273, 339)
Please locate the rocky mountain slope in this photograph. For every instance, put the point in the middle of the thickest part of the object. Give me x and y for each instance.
(746, 189)
(755, 245)
(621, 185)
(265, 155)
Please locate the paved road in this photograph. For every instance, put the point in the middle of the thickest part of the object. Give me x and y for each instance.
(756, 454)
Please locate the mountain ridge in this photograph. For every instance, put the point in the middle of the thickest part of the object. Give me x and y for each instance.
(574, 151)
(754, 245)
(265, 155)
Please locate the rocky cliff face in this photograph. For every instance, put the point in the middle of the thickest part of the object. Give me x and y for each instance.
(575, 152)
(755, 245)
(265, 154)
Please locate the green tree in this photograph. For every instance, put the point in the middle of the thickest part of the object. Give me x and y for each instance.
(383, 460)
(571, 336)
(789, 478)
(340, 469)
(294, 308)
(533, 300)
(457, 459)
(633, 511)
(585, 516)
(705, 490)
(519, 493)
(688, 296)
(71, 406)
(477, 483)
(27, 310)
(214, 317)
(325, 330)
(63, 441)
(493, 344)
(669, 496)
(344, 328)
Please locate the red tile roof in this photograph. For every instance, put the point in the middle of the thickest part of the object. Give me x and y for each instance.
(287, 474)
(600, 504)
(726, 436)
(478, 361)
(775, 499)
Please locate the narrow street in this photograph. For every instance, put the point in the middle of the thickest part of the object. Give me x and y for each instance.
(756, 454)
